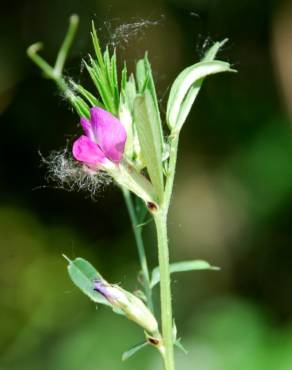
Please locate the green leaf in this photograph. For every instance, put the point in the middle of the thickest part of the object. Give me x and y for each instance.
(103, 72)
(181, 267)
(212, 52)
(174, 331)
(147, 125)
(124, 77)
(145, 82)
(79, 105)
(130, 92)
(141, 75)
(133, 350)
(100, 82)
(179, 345)
(82, 273)
(96, 46)
(188, 83)
(91, 99)
(186, 88)
(114, 76)
(110, 77)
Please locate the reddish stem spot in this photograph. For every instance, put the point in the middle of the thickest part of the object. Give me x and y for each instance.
(153, 341)
(152, 206)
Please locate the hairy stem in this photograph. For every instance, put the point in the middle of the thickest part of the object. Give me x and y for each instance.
(165, 289)
(140, 246)
(163, 256)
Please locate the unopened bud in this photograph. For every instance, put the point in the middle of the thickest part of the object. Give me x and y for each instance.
(131, 305)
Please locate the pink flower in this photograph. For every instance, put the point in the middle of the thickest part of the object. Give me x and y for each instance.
(103, 140)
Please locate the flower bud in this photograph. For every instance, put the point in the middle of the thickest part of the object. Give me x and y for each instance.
(129, 304)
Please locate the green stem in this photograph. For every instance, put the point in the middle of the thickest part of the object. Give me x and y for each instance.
(140, 246)
(165, 289)
(63, 52)
(55, 73)
(160, 218)
(173, 141)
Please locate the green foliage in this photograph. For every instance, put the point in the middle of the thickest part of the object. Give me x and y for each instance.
(133, 350)
(180, 346)
(39, 306)
(82, 273)
(103, 72)
(183, 266)
(187, 85)
(81, 108)
(91, 99)
(211, 53)
(145, 83)
(147, 124)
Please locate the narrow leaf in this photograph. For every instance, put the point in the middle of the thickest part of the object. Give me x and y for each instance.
(100, 84)
(145, 82)
(80, 106)
(92, 100)
(186, 88)
(96, 46)
(124, 77)
(179, 345)
(181, 267)
(141, 75)
(151, 87)
(147, 125)
(212, 52)
(114, 76)
(82, 273)
(194, 89)
(130, 92)
(133, 350)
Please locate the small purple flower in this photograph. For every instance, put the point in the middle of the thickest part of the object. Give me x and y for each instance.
(110, 292)
(104, 139)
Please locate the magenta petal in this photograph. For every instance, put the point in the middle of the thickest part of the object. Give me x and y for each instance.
(87, 128)
(86, 151)
(109, 133)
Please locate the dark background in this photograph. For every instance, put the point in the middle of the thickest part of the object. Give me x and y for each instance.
(232, 202)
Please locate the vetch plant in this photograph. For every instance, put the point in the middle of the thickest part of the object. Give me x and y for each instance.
(125, 137)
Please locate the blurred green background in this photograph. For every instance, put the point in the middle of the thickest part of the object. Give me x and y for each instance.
(232, 203)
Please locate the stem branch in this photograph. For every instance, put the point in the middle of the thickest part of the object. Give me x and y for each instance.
(55, 73)
(163, 256)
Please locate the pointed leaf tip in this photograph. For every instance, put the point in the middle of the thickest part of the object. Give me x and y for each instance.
(133, 350)
(186, 88)
(179, 345)
(188, 83)
(82, 273)
(66, 258)
(182, 266)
